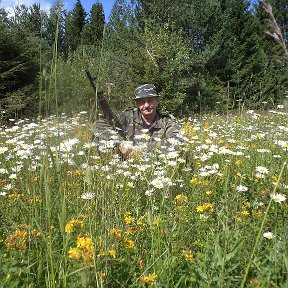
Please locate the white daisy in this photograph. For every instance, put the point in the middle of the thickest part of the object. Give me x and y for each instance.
(241, 188)
(278, 198)
(268, 235)
(88, 196)
(157, 183)
(262, 170)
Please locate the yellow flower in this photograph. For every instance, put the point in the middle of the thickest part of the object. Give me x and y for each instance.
(238, 162)
(238, 219)
(74, 253)
(181, 198)
(257, 213)
(200, 209)
(17, 240)
(208, 193)
(101, 254)
(188, 255)
(15, 196)
(254, 282)
(245, 213)
(36, 233)
(101, 275)
(21, 234)
(194, 181)
(149, 279)
(84, 216)
(156, 221)
(70, 226)
(130, 244)
(260, 135)
(115, 232)
(112, 253)
(128, 219)
(84, 242)
(204, 207)
(141, 221)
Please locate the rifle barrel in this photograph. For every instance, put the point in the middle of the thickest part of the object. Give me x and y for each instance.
(104, 106)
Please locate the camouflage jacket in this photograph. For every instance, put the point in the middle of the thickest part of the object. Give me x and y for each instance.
(163, 126)
(132, 125)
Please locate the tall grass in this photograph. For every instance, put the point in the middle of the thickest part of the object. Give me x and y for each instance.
(76, 214)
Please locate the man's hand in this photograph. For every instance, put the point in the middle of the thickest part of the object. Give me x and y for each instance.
(127, 148)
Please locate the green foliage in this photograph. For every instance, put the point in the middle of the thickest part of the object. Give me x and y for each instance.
(167, 64)
(74, 25)
(122, 57)
(70, 86)
(217, 55)
(93, 30)
(55, 24)
(18, 70)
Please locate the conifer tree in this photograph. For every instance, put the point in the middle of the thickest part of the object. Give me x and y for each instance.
(159, 12)
(75, 22)
(55, 25)
(18, 65)
(93, 30)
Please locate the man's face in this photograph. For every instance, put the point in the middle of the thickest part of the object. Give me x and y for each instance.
(147, 106)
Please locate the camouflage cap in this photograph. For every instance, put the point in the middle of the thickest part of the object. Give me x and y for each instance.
(146, 90)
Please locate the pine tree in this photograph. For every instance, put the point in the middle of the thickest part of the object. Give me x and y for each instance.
(159, 12)
(75, 22)
(55, 25)
(18, 65)
(93, 30)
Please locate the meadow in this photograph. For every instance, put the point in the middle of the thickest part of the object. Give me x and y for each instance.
(206, 210)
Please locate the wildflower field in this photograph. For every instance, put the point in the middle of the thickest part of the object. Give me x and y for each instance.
(207, 210)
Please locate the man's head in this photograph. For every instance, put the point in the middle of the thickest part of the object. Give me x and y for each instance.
(146, 99)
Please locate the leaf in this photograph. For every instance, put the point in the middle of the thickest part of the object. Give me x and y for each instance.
(219, 255)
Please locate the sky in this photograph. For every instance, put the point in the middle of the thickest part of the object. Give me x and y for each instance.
(69, 4)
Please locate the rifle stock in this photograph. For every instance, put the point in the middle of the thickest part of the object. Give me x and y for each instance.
(103, 104)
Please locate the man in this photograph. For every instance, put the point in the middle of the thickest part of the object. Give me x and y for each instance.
(145, 119)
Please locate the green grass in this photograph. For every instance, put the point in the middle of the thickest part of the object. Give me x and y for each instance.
(74, 213)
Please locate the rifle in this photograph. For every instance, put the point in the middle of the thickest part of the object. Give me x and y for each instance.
(103, 104)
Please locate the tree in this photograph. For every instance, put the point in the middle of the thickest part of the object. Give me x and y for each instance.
(122, 60)
(167, 63)
(75, 21)
(54, 27)
(18, 67)
(93, 30)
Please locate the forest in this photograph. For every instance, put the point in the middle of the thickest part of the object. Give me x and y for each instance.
(215, 55)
